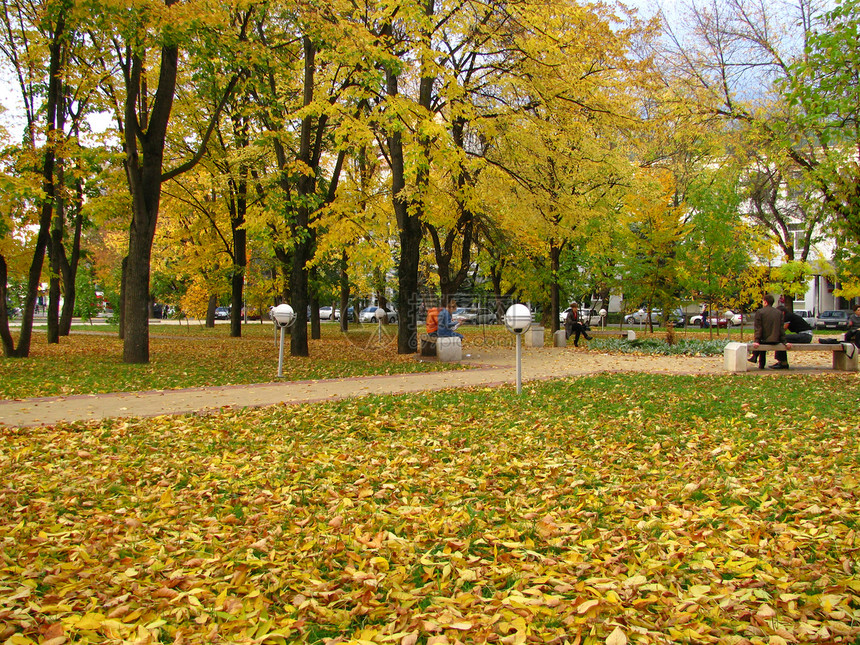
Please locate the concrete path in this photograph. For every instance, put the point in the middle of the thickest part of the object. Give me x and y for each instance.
(489, 368)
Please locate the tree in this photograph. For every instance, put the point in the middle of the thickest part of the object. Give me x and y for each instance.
(824, 84)
(145, 32)
(758, 67)
(715, 253)
(19, 20)
(656, 227)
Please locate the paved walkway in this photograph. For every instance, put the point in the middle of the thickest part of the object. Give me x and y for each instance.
(489, 368)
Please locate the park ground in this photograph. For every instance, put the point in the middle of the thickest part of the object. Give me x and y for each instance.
(613, 506)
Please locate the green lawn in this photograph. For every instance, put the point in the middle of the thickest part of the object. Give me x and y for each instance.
(90, 360)
(607, 509)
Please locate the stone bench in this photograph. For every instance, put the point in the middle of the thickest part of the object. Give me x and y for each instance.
(534, 336)
(448, 349)
(735, 354)
(559, 340)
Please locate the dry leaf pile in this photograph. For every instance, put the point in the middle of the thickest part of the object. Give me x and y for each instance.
(600, 510)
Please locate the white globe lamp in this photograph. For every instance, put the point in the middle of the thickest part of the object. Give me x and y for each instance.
(518, 319)
(283, 316)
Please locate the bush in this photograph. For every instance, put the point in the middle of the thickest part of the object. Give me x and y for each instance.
(659, 347)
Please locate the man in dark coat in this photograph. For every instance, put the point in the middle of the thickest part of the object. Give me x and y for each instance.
(768, 330)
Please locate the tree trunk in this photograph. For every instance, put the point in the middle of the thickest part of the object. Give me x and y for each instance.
(58, 225)
(554, 298)
(47, 203)
(302, 234)
(70, 270)
(210, 311)
(144, 160)
(240, 235)
(408, 213)
(5, 334)
(121, 307)
(344, 293)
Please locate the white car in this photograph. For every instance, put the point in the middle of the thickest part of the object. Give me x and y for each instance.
(326, 314)
(807, 315)
(368, 315)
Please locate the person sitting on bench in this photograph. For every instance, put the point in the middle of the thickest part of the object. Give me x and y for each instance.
(853, 333)
(446, 321)
(799, 331)
(432, 320)
(768, 330)
(573, 325)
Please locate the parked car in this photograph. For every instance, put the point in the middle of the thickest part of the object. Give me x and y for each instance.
(832, 319)
(712, 320)
(474, 316)
(326, 313)
(641, 316)
(735, 320)
(368, 315)
(222, 313)
(807, 315)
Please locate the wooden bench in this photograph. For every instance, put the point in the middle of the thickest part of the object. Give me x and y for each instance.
(448, 349)
(735, 355)
(559, 340)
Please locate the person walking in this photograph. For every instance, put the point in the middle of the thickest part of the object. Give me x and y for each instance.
(573, 325)
(768, 329)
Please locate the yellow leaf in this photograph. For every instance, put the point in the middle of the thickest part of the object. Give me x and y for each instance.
(588, 604)
(765, 611)
(380, 563)
(462, 626)
(89, 621)
(617, 637)
(699, 590)
(58, 640)
(438, 640)
(18, 639)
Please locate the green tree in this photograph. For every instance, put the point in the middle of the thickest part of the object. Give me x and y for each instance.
(715, 253)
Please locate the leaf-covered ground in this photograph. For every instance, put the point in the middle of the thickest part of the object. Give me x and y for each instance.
(626, 508)
(197, 357)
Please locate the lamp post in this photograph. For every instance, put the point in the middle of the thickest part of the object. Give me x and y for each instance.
(381, 317)
(283, 316)
(518, 319)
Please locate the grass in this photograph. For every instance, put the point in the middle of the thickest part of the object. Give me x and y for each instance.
(90, 360)
(654, 508)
